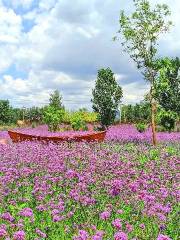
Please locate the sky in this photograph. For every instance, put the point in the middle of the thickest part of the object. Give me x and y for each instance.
(61, 44)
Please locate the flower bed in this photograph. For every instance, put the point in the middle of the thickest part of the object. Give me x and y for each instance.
(128, 133)
(88, 191)
(120, 133)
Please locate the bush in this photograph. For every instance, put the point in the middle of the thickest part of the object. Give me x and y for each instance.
(141, 127)
(77, 122)
(67, 117)
(53, 117)
(90, 117)
(33, 114)
(167, 120)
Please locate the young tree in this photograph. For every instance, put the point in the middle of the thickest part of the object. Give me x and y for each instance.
(106, 96)
(167, 84)
(4, 111)
(55, 100)
(141, 31)
(53, 117)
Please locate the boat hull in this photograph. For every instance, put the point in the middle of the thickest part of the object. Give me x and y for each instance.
(89, 137)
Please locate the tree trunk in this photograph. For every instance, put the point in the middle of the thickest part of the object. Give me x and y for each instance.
(153, 122)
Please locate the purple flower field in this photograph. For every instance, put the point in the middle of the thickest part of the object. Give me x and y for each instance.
(120, 189)
(120, 133)
(128, 133)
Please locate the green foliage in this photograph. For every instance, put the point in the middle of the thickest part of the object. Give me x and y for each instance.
(33, 114)
(16, 114)
(88, 117)
(34, 125)
(141, 112)
(5, 111)
(141, 31)
(167, 84)
(53, 117)
(67, 117)
(77, 122)
(55, 100)
(106, 96)
(141, 127)
(167, 120)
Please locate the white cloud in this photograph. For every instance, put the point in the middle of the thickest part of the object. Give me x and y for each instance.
(7, 53)
(65, 48)
(10, 25)
(47, 4)
(10, 36)
(134, 92)
(36, 88)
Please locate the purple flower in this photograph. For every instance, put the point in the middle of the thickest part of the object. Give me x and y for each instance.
(26, 212)
(129, 227)
(98, 235)
(19, 235)
(120, 236)
(40, 233)
(116, 187)
(117, 223)
(105, 215)
(7, 216)
(120, 211)
(3, 233)
(142, 225)
(57, 218)
(163, 237)
(83, 235)
(71, 174)
(55, 211)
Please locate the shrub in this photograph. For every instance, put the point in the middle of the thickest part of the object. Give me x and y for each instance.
(141, 127)
(77, 122)
(67, 117)
(167, 120)
(53, 117)
(33, 114)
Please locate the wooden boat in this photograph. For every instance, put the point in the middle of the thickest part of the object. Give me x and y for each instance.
(89, 137)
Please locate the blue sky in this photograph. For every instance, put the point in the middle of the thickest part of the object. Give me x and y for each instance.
(61, 44)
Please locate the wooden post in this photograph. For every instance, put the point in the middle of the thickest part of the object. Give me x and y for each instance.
(153, 122)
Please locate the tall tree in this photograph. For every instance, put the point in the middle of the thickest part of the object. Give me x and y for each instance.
(106, 96)
(55, 100)
(141, 31)
(4, 111)
(167, 84)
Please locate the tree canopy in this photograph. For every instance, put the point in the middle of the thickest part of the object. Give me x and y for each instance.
(106, 96)
(167, 84)
(55, 100)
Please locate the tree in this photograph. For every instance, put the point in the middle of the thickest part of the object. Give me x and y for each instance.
(56, 100)
(52, 117)
(141, 31)
(4, 111)
(167, 84)
(34, 114)
(166, 119)
(106, 96)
